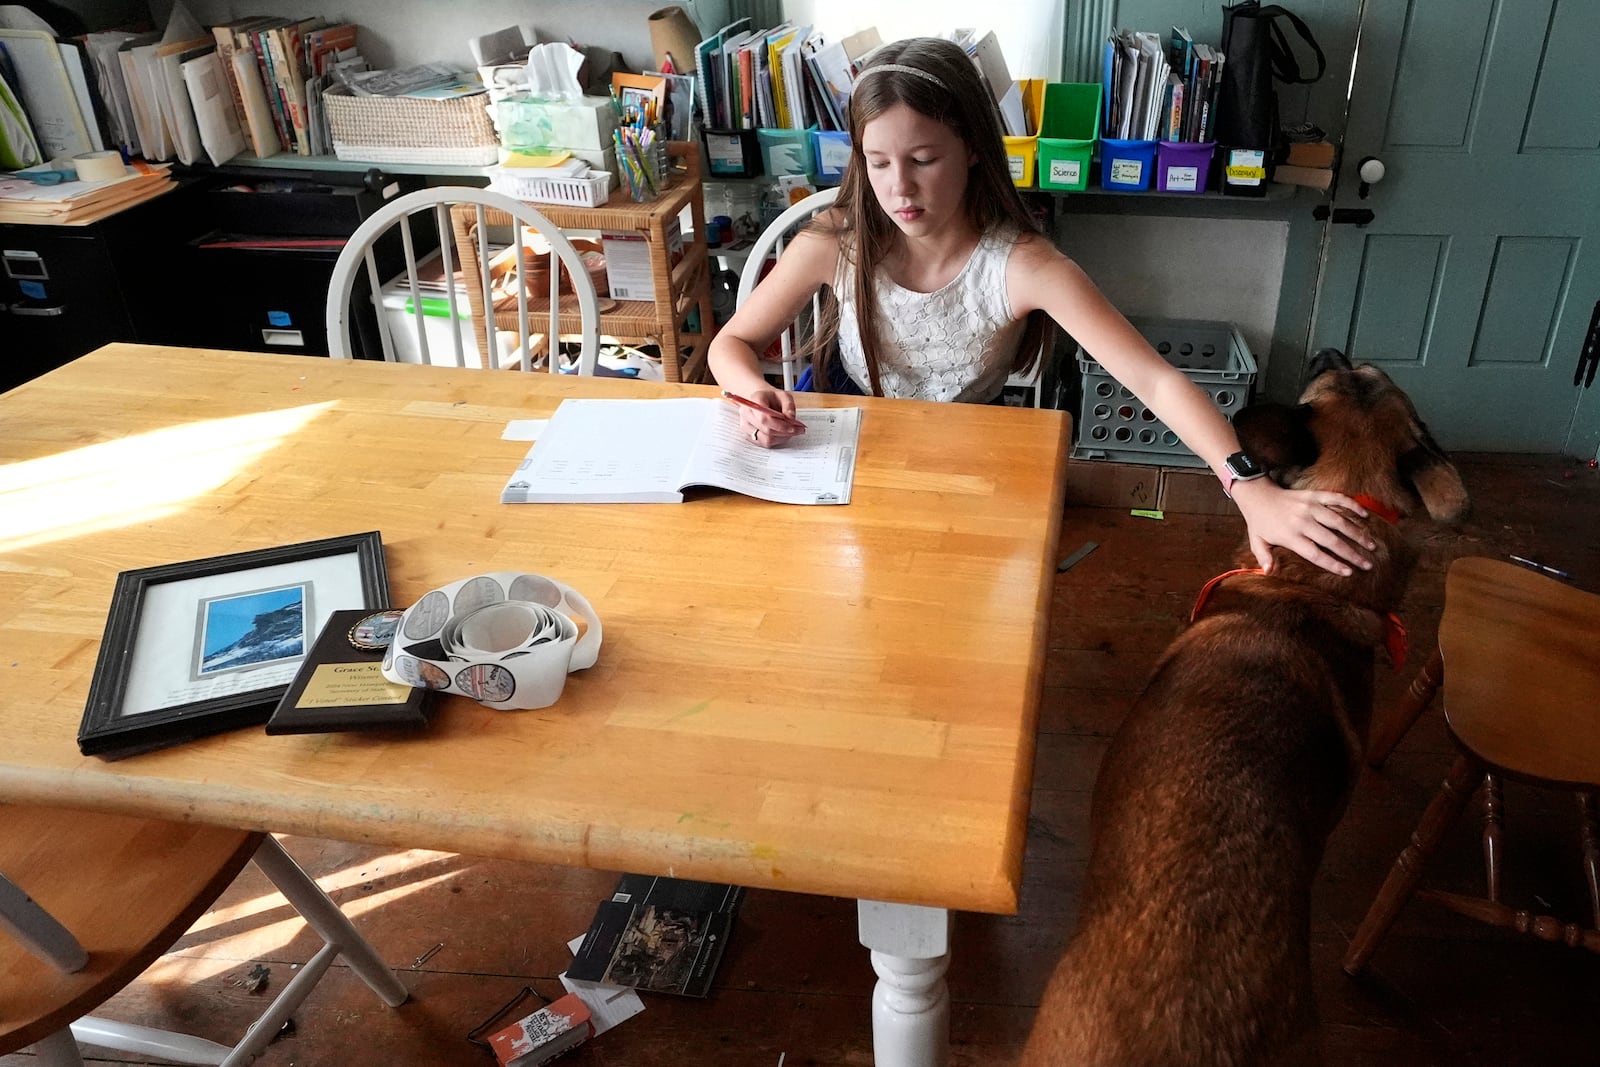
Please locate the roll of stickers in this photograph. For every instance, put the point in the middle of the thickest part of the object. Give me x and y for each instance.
(506, 639)
(98, 166)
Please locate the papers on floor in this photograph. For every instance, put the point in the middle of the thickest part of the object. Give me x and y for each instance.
(608, 1004)
(665, 935)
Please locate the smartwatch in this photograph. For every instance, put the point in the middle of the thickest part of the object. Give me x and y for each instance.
(1240, 467)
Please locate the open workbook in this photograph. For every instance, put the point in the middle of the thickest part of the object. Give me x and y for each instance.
(650, 451)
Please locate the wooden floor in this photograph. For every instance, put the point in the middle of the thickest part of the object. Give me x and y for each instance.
(795, 987)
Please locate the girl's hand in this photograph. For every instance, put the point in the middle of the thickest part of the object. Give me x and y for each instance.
(774, 429)
(1305, 521)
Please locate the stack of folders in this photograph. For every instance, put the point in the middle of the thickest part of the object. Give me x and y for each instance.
(72, 203)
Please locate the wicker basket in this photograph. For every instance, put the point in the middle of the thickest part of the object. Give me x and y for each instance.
(392, 129)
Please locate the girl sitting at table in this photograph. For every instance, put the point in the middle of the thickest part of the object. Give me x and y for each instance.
(941, 288)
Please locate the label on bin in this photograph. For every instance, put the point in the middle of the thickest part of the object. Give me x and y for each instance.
(1127, 171)
(1246, 166)
(1017, 164)
(1182, 179)
(725, 152)
(1065, 171)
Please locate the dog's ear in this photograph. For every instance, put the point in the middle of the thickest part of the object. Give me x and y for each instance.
(1278, 436)
(1435, 480)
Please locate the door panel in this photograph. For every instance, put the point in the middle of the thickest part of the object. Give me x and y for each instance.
(1474, 282)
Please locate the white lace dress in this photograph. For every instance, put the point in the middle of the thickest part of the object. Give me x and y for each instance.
(955, 343)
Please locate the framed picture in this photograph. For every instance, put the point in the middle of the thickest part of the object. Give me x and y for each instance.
(640, 94)
(209, 645)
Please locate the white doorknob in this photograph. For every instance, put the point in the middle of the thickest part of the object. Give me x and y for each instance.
(1371, 170)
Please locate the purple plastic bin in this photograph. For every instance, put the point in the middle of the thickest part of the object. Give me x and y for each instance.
(1181, 166)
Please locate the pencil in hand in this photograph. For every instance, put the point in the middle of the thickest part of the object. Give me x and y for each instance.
(793, 423)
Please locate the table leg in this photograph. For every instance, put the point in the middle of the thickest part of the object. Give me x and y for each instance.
(910, 1004)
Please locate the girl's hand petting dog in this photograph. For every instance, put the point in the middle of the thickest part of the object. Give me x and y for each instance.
(1310, 522)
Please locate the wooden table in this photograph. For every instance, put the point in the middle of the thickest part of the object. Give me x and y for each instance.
(836, 700)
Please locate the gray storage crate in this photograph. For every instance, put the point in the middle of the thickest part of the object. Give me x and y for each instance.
(1114, 424)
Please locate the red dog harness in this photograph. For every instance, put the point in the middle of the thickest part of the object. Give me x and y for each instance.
(1394, 636)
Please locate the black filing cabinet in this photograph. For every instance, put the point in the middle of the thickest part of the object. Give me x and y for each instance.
(262, 267)
(67, 290)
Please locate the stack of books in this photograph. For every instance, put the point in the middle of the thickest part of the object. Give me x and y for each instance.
(1152, 94)
(789, 77)
(250, 85)
(1306, 163)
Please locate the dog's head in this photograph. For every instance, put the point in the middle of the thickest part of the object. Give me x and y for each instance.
(1354, 431)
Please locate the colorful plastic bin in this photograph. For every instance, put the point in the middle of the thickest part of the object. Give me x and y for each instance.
(1182, 166)
(786, 151)
(1126, 166)
(732, 153)
(1022, 153)
(1067, 134)
(830, 149)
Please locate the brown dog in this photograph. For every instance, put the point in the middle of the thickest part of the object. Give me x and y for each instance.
(1218, 792)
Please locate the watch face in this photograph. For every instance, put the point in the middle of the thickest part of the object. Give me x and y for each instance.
(1243, 466)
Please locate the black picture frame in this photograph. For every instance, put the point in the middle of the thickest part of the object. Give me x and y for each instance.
(139, 655)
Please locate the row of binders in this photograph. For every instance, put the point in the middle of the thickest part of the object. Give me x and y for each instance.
(790, 77)
(794, 77)
(1156, 93)
(253, 84)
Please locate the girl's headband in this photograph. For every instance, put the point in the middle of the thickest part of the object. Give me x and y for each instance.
(903, 69)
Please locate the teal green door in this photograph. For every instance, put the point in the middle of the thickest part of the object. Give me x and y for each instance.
(1474, 282)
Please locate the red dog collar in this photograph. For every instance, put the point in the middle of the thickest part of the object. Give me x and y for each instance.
(1378, 508)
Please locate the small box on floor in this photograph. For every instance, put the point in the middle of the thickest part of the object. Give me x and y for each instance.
(544, 1035)
(629, 261)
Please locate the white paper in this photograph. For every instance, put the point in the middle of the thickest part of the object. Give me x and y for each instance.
(45, 91)
(608, 1004)
(524, 429)
(178, 111)
(553, 71)
(648, 451)
(213, 108)
(1011, 111)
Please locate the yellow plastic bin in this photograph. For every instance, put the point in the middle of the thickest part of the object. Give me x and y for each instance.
(1067, 133)
(1022, 153)
(785, 151)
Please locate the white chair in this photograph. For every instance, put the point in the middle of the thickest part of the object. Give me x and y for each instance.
(771, 243)
(92, 900)
(438, 202)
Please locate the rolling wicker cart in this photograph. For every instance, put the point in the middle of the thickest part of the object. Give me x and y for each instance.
(678, 287)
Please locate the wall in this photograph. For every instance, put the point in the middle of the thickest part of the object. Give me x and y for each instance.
(1184, 268)
(400, 33)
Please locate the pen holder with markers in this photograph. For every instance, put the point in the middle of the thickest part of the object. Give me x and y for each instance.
(642, 160)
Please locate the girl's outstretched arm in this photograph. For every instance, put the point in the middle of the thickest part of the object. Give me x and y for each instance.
(807, 263)
(1307, 522)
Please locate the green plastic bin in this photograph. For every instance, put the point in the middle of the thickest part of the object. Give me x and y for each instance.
(1067, 134)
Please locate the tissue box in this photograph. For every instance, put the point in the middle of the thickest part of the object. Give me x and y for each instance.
(535, 122)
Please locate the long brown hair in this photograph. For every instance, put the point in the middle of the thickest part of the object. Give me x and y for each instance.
(955, 95)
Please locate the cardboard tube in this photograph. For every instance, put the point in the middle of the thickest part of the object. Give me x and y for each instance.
(98, 166)
(672, 30)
